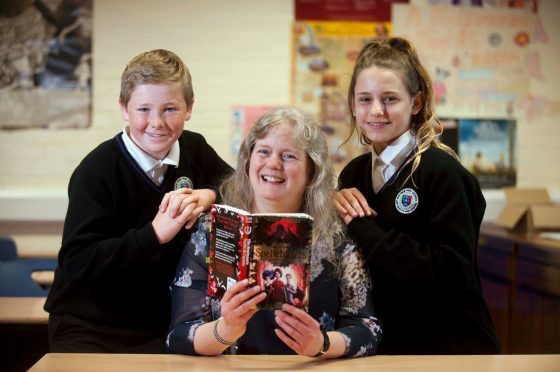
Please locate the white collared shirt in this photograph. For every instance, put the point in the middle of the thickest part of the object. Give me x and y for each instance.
(394, 155)
(155, 169)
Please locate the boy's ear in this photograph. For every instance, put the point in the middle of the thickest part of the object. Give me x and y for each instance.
(189, 111)
(124, 111)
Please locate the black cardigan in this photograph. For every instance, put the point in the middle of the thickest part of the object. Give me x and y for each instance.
(112, 272)
(423, 264)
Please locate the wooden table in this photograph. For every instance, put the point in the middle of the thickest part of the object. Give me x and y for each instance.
(23, 332)
(44, 278)
(433, 363)
(23, 310)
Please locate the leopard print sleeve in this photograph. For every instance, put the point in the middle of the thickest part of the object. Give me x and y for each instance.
(356, 319)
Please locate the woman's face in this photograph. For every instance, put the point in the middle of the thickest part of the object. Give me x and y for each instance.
(279, 172)
(383, 106)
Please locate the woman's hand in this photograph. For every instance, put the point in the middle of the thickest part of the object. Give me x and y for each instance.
(238, 305)
(298, 330)
(351, 203)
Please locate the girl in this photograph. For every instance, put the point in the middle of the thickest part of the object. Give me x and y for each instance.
(414, 211)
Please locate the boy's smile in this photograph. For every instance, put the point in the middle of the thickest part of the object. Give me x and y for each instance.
(156, 114)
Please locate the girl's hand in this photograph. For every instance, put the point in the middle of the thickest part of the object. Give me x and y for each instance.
(238, 305)
(351, 203)
(298, 330)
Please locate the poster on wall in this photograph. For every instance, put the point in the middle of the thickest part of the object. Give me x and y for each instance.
(242, 118)
(348, 10)
(326, 40)
(477, 56)
(45, 64)
(486, 147)
(323, 58)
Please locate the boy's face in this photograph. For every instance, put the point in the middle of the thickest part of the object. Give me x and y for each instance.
(156, 114)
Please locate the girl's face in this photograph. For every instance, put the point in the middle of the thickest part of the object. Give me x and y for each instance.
(278, 171)
(382, 105)
(156, 114)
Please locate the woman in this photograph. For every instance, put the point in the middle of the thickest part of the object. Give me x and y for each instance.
(283, 166)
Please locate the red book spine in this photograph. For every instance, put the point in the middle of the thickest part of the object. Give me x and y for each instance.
(244, 247)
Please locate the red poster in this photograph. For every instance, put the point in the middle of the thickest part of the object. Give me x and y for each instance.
(344, 10)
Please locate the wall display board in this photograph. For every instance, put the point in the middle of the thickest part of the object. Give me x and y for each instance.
(478, 57)
(323, 57)
(326, 39)
(45, 64)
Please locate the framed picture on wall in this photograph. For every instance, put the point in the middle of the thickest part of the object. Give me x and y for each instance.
(486, 148)
(45, 64)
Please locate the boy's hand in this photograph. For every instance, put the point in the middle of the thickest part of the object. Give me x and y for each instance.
(173, 201)
(166, 226)
(203, 199)
(180, 207)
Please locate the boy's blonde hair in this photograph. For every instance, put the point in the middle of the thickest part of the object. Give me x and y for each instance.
(155, 67)
(398, 54)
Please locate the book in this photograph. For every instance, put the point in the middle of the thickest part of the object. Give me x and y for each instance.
(271, 250)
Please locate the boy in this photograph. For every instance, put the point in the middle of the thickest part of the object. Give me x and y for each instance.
(129, 200)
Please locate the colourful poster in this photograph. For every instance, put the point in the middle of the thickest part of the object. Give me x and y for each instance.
(478, 57)
(242, 118)
(323, 58)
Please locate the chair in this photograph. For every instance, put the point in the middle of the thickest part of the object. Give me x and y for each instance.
(15, 277)
(8, 250)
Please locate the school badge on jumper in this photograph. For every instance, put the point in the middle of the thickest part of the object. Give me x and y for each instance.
(183, 182)
(406, 201)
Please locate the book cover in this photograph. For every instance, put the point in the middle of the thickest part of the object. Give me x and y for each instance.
(271, 250)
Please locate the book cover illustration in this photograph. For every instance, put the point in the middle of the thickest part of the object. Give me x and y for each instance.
(271, 250)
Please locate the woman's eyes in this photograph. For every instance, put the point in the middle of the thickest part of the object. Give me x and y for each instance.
(285, 155)
(288, 156)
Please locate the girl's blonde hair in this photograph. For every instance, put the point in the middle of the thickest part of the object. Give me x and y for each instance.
(398, 54)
